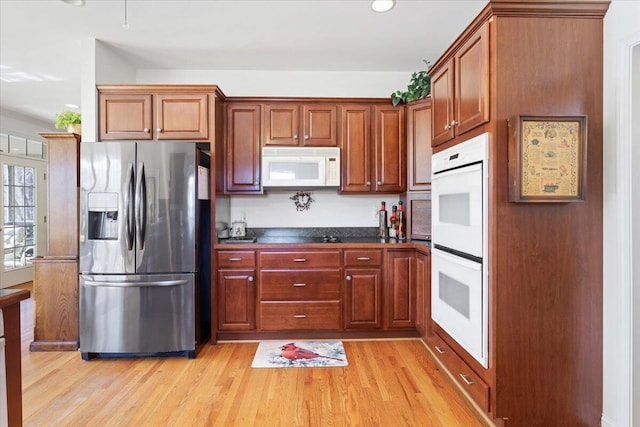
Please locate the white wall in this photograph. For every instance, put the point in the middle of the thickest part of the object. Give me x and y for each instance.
(100, 65)
(16, 124)
(621, 32)
(276, 209)
(635, 234)
(286, 83)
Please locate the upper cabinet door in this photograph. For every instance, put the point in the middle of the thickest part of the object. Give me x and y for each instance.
(320, 125)
(281, 124)
(419, 145)
(472, 82)
(460, 89)
(442, 104)
(126, 117)
(390, 149)
(356, 148)
(182, 116)
(242, 153)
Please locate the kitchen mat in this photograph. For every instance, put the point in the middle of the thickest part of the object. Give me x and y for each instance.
(299, 354)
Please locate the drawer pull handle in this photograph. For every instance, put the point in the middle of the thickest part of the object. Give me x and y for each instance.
(299, 285)
(466, 379)
(299, 316)
(364, 258)
(299, 260)
(440, 350)
(235, 259)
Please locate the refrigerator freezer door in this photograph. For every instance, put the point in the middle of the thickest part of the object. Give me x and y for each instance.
(166, 218)
(106, 207)
(137, 314)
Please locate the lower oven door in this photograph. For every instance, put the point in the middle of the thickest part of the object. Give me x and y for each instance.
(458, 301)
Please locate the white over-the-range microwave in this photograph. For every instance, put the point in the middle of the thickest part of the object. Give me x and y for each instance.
(299, 167)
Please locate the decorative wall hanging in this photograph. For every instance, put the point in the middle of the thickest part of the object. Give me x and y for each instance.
(302, 200)
(547, 158)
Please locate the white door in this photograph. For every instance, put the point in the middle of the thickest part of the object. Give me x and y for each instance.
(22, 217)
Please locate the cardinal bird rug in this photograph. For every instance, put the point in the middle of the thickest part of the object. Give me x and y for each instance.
(299, 354)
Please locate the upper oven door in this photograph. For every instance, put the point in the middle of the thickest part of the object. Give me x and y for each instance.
(457, 210)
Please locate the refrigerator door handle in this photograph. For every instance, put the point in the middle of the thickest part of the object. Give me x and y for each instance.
(129, 208)
(164, 283)
(141, 206)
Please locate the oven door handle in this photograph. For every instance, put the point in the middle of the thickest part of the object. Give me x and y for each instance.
(464, 262)
(459, 169)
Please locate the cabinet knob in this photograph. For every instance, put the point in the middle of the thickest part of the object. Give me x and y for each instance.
(379, 182)
(368, 183)
(256, 182)
(146, 130)
(295, 136)
(453, 123)
(159, 130)
(250, 278)
(349, 277)
(306, 137)
(447, 127)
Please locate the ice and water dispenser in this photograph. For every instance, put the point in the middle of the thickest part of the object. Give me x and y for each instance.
(103, 216)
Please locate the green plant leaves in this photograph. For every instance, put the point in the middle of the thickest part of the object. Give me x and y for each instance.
(419, 87)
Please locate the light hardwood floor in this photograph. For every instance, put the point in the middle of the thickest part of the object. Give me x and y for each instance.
(387, 383)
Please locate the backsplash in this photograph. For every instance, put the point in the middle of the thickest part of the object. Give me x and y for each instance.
(277, 209)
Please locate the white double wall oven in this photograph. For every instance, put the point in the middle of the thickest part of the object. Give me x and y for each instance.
(459, 301)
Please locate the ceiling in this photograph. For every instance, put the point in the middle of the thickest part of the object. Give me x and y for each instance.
(40, 39)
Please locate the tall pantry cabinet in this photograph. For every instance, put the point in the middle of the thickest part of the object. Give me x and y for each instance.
(545, 259)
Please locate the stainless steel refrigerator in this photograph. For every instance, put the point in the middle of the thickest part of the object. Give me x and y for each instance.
(138, 261)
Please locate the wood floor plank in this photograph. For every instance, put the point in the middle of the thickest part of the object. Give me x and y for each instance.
(386, 383)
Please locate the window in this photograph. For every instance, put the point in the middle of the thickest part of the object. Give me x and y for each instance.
(19, 197)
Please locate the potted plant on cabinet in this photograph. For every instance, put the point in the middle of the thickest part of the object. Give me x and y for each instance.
(419, 87)
(69, 120)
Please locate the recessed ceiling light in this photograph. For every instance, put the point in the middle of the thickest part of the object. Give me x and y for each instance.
(382, 5)
(74, 2)
(72, 105)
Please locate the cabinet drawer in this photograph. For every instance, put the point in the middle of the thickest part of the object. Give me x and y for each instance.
(300, 285)
(464, 375)
(236, 259)
(362, 257)
(300, 259)
(276, 316)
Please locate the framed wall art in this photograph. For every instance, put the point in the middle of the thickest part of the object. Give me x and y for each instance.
(547, 158)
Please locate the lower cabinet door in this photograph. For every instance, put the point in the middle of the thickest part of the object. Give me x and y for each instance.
(236, 300)
(363, 298)
(298, 315)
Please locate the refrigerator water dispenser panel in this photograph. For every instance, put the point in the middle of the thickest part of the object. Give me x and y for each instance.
(103, 216)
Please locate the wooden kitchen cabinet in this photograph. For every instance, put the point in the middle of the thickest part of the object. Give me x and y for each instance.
(236, 290)
(300, 124)
(363, 288)
(374, 149)
(300, 290)
(419, 145)
(242, 149)
(545, 363)
(400, 289)
(423, 294)
(460, 89)
(418, 213)
(156, 112)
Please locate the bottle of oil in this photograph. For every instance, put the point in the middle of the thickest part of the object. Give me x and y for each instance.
(382, 221)
(393, 222)
(401, 231)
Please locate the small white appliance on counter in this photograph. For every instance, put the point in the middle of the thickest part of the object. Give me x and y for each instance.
(299, 167)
